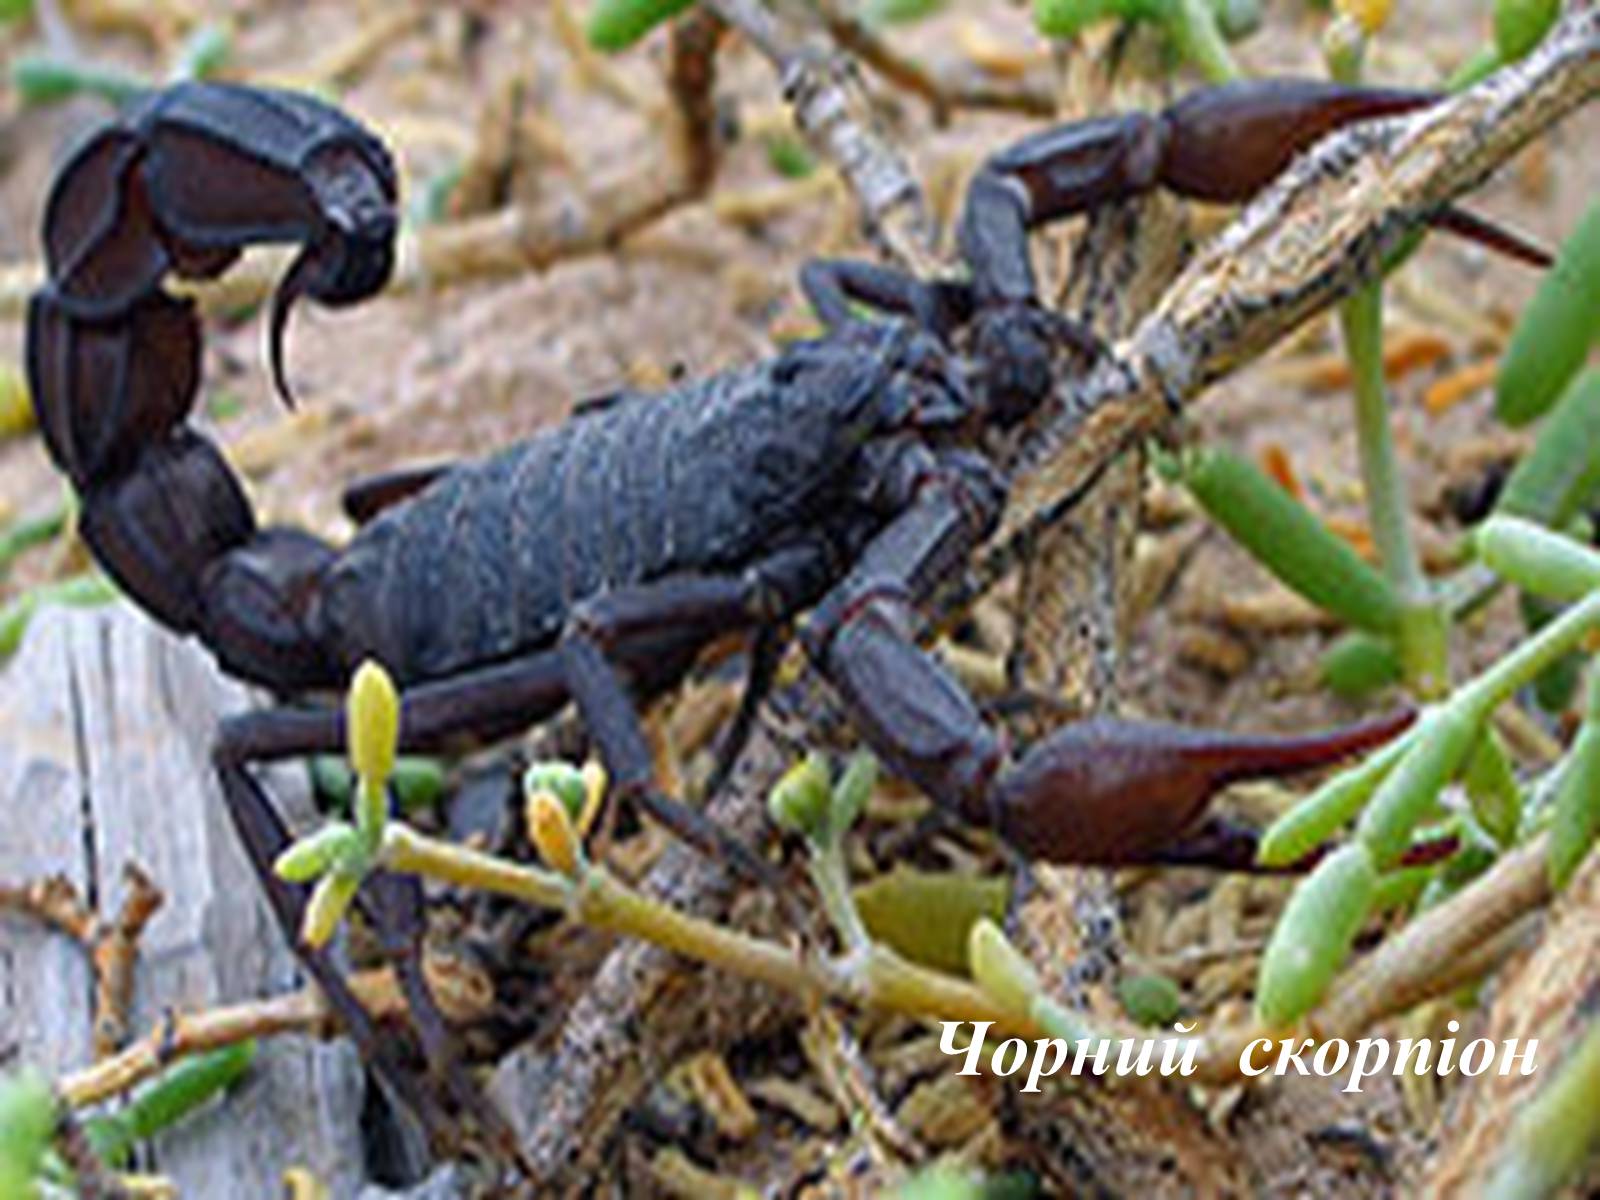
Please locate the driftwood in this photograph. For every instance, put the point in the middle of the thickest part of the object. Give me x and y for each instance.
(107, 722)
(1547, 997)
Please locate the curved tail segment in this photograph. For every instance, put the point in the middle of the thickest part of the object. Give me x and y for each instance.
(182, 184)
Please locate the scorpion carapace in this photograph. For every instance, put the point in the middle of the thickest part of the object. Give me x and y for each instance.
(842, 477)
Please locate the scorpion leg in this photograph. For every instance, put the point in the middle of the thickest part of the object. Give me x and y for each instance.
(830, 284)
(1219, 144)
(766, 654)
(1498, 238)
(1042, 178)
(601, 634)
(1258, 128)
(1100, 791)
(393, 904)
(610, 714)
(263, 835)
(862, 636)
(366, 498)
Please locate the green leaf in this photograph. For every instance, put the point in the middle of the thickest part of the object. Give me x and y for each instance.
(22, 536)
(1560, 474)
(308, 858)
(1150, 999)
(1437, 749)
(1287, 538)
(1537, 560)
(1556, 329)
(46, 79)
(1320, 815)
(1000, 969)
(928, 917)
(1576, 818)
(1314, 935)
(1492, 787)
(77, 591)
(27, 1119)
(1483, 63)
(789, 157)
(802, 800)
(1556, 1132)
(202, 54)
(178, 1091)
(1520, 25)
(894, 12)
(1359, 664)
(617, 24)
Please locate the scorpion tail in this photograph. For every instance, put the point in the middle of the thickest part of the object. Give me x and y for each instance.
(184, 183)
(103, 389)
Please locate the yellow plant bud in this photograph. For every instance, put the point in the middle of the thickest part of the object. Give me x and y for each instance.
(551, 830)
(330, 899)
(16, 408)
(594, 794)
(999, 968)
(1371, 15)
(372, 723)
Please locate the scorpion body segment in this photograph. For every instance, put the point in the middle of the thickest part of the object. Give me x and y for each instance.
(493, 558)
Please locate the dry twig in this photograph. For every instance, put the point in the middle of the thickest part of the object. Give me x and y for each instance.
(1310, 240)
(462, 993)
(112, 946)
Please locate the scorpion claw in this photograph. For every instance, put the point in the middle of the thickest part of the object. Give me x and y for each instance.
(1116, 792)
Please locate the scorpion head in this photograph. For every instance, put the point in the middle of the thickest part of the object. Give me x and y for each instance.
(881, 375)
(1012, 347)
(1012, 359)
(930, 386)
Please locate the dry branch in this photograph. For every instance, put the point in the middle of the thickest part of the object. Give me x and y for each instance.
(1310, 240)
(834, 115)
(112, 945)
(1548, 999)
(463, 994)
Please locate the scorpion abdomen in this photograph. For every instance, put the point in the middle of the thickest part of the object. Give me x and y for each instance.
(490, 560)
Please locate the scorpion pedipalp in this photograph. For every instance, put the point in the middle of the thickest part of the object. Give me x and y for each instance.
(1221, 144)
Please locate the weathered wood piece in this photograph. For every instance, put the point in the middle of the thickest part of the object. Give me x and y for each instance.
(1548, 998)
(105, 724)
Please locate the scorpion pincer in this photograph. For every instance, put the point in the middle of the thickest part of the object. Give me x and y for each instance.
(841, 478)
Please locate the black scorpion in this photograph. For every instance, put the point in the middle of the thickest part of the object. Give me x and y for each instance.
(842, 477)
